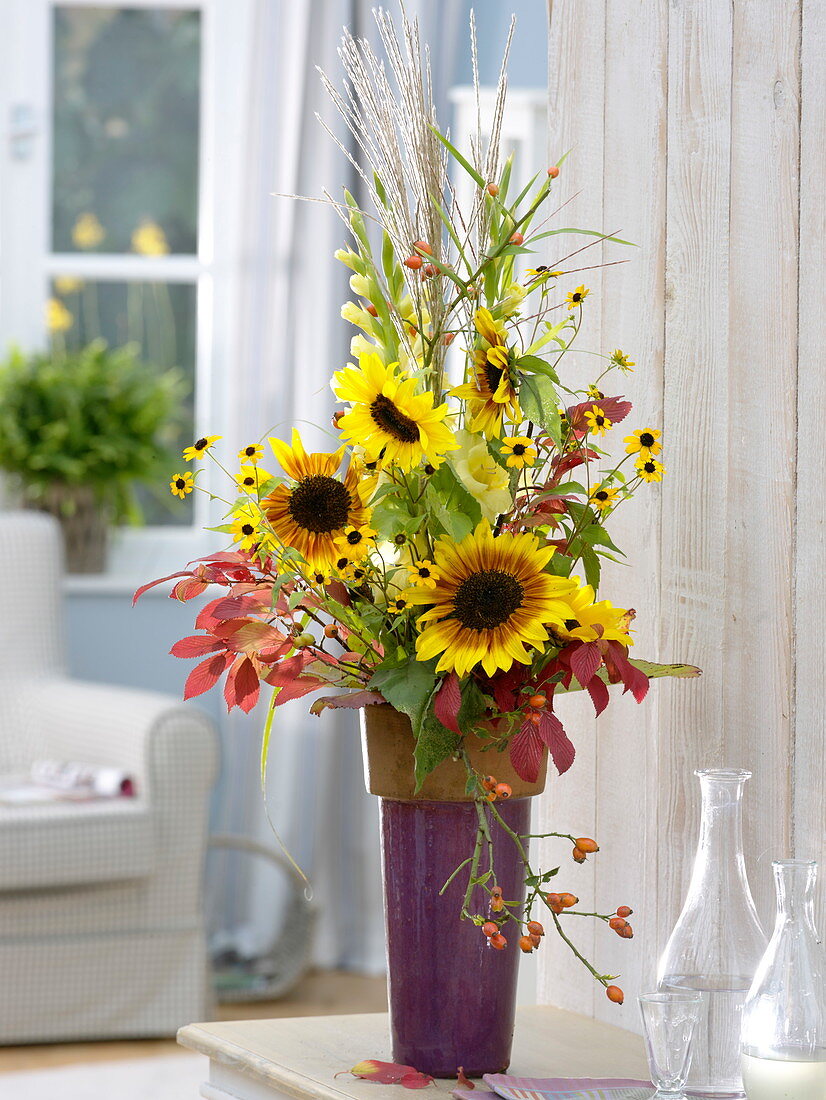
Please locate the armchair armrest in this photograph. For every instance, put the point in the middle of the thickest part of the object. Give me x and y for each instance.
(164, 744)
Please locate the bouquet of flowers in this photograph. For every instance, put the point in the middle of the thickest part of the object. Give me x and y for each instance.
(444, 554)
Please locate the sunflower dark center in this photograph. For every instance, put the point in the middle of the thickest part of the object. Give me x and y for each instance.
(249, 480)
(601, 494)
(247, 529)
(249, 451)
(647, 439)
(649, 467)
(599, 421)
(571, 624)
(180, 483)
(393, 421)
(493, 376)
(320, 504)
(577, 297)
(486, 599)
(519, 448)
(199, 446)
(354, 538)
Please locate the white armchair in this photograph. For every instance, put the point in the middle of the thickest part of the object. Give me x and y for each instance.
(101, 913)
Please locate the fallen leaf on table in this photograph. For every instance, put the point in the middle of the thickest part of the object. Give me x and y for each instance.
(462, 1080)
(390, 1073)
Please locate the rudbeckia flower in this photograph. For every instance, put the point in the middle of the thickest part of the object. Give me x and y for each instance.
(388, 417)
(492, 602)
(315, 508)
(520, 450)
(200, 447)
(424, 574)
(649, 469)
(577, 297)
(246, 527)
(182, 484)
(603, 498)
(598, 423)
(644, 440)
(356, 542)
(252, 453)
(250, 478)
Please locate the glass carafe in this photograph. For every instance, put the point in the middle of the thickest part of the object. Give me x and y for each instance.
(717, 941)
(784, 1019)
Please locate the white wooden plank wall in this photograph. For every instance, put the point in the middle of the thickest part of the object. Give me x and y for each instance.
(699, 132)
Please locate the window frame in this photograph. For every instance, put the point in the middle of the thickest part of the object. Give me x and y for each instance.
(27, 263)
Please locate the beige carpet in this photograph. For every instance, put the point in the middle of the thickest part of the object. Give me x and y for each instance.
(172, 1077)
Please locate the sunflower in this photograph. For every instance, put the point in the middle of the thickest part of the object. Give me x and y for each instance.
(181, 484)
(252, 453)
(589, 621)
(577, 297)
(357, 542)
(644, 440)
(491, 395)
(492, 603)
(649, 469)
(597, 421)
(388, 417)
(250, 478)
(520, 450)
(424, 574)
(313, 511)
(603, 498)
(200, 447)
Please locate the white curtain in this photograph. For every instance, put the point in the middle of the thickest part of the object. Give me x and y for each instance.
(291, 339)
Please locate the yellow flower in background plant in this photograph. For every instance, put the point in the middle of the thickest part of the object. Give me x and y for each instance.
(589, 621)
(603, 497)
(58, 317)
(87, 232)
(67, 284)
(252, 453)
(398, 606)
(598, 423)
(621, 360)
(250, 478)
(357, 542)
(594, 393)
(313, 511)
(491, 396)
(388, 418)
(649, 469)
(200, 447)
(520, 450)
(492, 603)
(542, 272)
(577, 297)
(644, 440)
(486, 481)
(246, 527)
(424, 574)
(319, 577)
(149, 239)
(181, 484)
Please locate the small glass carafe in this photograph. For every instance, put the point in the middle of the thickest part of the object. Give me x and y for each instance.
(717, 942)
(784, 1019)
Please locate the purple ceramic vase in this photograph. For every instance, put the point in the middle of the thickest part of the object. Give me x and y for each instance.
(452, 995)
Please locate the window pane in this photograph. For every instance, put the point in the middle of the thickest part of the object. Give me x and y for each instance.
(126, 109)
(159, 318)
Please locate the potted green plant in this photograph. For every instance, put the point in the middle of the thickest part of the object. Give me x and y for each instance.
(80, 432)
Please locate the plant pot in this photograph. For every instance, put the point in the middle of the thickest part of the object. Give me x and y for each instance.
(83, 522)
(452, 996)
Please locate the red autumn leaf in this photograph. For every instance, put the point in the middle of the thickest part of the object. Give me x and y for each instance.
(561, 750)
(569, 462)
(584, 660)
(188, 589)
(249, 635)
(614, 408)
(206, 618)
(526, 748)
(599, 694)
(390, 1073)
(145, 587)
(196, 645)
(303, 685)
(462, 1080)
(447, 703)
(620, 668)
(205, 675)
(237, 607)
(505, 686)
(242, 687)
(354, 700)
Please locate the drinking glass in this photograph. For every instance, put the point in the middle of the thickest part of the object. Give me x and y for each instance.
(669, 1021)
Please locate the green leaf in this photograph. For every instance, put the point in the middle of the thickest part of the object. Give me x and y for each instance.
(652, 670)
(551, 333)
(592, 566)
(538, 400)
(407, 686)
(473, 706)
(596, 535)
(433, 745)
(451, 504)
(534, 365)
(454, 152)
(583, 232)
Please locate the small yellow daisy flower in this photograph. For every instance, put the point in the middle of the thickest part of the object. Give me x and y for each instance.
(649, 469)
(594, 393)
(149, 239)
(577, 297)
(87, 232)
(644, 440)
(353, 574)
(621, 360)
(603, 498)
(424, 575)
(200, 447)
(250, 478)
(598, 423)
(356, 541)
(58, 317)
(399, 605)
(182, 484)
(541, 272)
(520, 450)
(252, 454)
(318, 578)
(245, 527)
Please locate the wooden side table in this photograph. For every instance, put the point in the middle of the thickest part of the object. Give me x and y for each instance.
(299, 1058)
